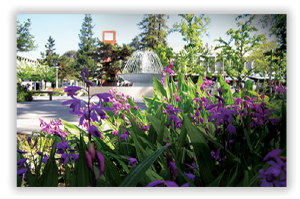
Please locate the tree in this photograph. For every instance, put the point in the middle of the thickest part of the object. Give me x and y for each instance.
(113, 58)
(154, 32)
(277, 25)
(86, 55)
(50, 58)
(24, 70)
(136, 43)
(46, 73)
(243, 44)
(164, 53)
(65, 70)
(25, 40)
(192, 29)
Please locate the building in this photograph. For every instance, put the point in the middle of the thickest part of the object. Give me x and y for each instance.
(23, 61)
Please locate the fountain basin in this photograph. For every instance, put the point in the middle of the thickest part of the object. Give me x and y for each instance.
(140, 79)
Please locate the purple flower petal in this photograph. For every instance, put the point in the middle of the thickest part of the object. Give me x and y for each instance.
(101, 164)
(231, 129)
(171, 184)
(19, 151)
(272, 154)
(158, 183)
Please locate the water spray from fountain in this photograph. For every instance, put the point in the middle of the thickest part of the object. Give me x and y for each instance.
(141, 67)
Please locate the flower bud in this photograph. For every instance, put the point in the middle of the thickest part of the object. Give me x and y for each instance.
(88, 161)
(91, 150)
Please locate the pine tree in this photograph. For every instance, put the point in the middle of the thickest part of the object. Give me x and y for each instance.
(154, 32)
(25, 40)
(86, 55)
(50, 58)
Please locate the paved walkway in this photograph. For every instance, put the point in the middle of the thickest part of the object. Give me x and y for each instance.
(28, 113)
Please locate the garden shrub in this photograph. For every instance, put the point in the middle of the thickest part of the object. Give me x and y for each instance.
(22, 94)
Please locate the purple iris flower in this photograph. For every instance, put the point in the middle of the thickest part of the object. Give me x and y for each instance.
(211, 106)
(22, 171)
(216, 155)
(145, 128)
(71, 90)
(45, 159)
(279, 167)
(231, 129)
(225, 115)
(159, 183)
(272, 154)
(190, 176)
(193, 166)
(220, 98)
(21, 162)
(124, 136)
(132, 161)
(104, 96)
(19, 151)
(268, 179)
(101, 164)
(75, 105)
(64, 158)
(74, 157)
(62, 146)
(86, 72)
(94, 131)
(171, 164)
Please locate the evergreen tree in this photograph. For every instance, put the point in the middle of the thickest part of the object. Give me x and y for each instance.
(154, 32)
(113, 58)
(50, 58)
(25, 40)
(86, 55)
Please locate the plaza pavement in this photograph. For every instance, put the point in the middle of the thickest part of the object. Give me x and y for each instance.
(28, 113)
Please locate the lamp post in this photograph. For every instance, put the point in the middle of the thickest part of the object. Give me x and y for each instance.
(55, 64)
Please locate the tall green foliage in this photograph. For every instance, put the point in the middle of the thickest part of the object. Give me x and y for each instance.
(85, 55)
(243, 44)
(25, 40)
(50, 58)
(153, 32)
(192, 29)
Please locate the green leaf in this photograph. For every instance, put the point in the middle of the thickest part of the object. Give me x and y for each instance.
(216, 182)
(134, 176)
(201, 150)
(158, 88)
(84, 175)
(67, 175)
(233, 177)
(111, 172)
(227, 94)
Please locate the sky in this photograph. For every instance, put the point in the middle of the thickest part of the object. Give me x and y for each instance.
(65, 28)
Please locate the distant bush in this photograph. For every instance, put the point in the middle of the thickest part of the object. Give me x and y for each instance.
(22, 94)
(58, 90)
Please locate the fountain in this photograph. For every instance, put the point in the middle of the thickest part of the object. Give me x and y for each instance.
(141, 67)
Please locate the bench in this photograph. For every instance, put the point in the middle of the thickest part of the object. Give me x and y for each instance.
(48, 92)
